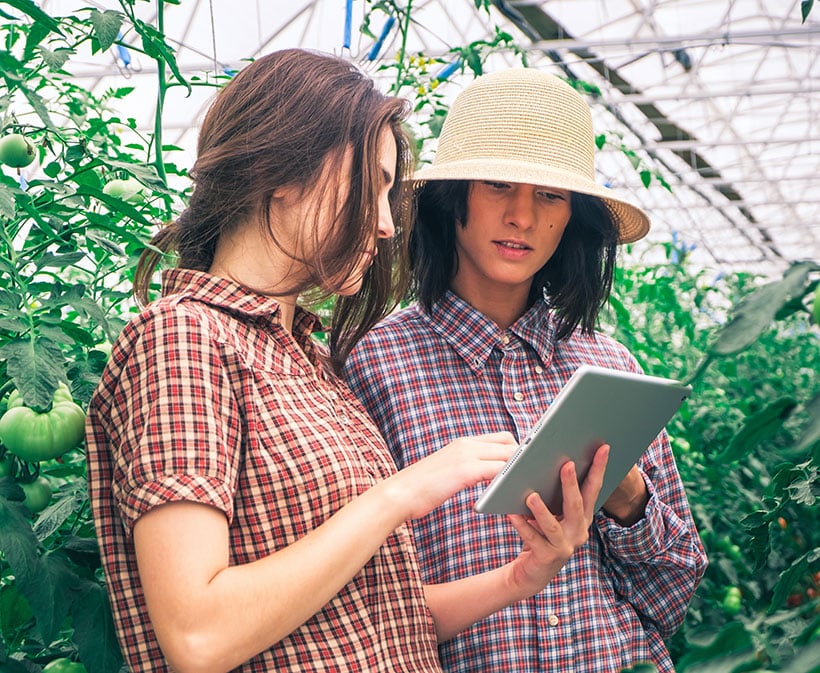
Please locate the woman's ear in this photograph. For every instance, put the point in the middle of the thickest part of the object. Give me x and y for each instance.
(286, 193)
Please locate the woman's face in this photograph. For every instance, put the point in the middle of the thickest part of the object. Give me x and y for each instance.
(386, 229)
(512, 230)
(292, 208)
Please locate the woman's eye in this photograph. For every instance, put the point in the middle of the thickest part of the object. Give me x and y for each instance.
(551, 196)
(496, 185)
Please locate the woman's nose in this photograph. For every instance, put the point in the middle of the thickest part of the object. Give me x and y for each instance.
(386, 227)
(521, 208)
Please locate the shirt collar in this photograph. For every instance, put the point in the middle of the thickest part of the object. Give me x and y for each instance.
(230, 296)
(472, 335)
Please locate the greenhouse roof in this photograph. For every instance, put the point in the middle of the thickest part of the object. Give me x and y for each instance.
(717, 98)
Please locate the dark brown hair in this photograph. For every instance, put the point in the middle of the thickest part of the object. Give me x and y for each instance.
(577, 279)
(281, 121)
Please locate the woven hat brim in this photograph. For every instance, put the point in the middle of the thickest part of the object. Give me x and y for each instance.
(633, 223)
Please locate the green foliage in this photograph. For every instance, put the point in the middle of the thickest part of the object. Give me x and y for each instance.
(746, 442)
(805, 8)
(68, 246)
(748, 448)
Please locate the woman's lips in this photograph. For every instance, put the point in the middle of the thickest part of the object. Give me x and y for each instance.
(510, 249)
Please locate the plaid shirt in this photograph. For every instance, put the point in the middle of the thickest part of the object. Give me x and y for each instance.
(207, 398)
(429, 378)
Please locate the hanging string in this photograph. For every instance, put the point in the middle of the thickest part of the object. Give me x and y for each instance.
(213, 35)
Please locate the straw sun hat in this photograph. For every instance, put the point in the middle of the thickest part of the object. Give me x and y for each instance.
(524, 125)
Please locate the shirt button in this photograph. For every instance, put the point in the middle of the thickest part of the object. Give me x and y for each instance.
(552, 620)
(518, 397)
(505, 339)
(539, 369)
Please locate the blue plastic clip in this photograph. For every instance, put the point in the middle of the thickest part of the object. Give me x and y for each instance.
(348, 22)
(448, 70)
(377, 46)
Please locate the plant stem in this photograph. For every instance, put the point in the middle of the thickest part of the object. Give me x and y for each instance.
(162, 86)
(405, 28)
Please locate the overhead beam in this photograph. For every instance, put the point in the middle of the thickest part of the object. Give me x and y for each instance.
(541, 27)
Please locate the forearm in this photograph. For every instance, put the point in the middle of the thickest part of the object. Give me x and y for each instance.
(218, 616)
(457, 605)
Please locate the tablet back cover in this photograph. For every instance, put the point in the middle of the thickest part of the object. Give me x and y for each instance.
(596, 406)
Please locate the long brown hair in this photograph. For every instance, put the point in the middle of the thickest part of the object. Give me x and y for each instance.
(278, 123)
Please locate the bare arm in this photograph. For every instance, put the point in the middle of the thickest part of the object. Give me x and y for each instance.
(209, 616)
(548, 543)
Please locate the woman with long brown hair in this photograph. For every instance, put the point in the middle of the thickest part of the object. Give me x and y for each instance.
(249, 514)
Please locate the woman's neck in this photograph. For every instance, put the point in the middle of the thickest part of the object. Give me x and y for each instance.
(501, 305)
(247, 258)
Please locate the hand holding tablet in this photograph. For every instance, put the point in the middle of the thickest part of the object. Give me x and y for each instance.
(597, 406)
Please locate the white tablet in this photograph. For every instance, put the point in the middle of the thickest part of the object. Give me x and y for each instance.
(596, 406)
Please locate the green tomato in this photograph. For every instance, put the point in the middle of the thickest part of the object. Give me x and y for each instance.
(34, 436)
(128, 190)
(682, 445)
(16, 151)
(38, 494)
(731, 601)
(64, 665)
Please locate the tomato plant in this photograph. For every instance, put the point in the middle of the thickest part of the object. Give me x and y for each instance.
(747, 444)
(68, 247)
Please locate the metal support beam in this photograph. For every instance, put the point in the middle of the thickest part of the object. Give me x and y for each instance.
(541, 28)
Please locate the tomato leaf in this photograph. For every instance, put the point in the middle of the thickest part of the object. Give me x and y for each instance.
(17, 540)
(106, 27)
(811, 433)
(805, 661)
(52, 598)
(94, 632)
(805, 9)
(14, 613)
(757, 311)
(39, 16)
(36, 365)
(39, 105)
(790, 576)
(58, 511)
(7, 207)
(758, 427)
(732, 641)
(55, 60)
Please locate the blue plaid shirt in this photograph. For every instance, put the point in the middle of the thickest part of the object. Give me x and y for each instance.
(429, 378)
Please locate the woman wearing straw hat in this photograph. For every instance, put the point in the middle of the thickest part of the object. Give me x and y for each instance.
(512, 256)
(249, 514)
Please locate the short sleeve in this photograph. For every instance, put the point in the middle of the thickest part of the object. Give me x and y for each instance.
(175, 423)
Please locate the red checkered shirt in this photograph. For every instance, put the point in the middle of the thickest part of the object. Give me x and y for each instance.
(429, 378)
(208, 398)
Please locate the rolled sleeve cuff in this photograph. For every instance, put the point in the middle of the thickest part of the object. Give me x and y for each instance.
(173, 488)
(645, 539)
